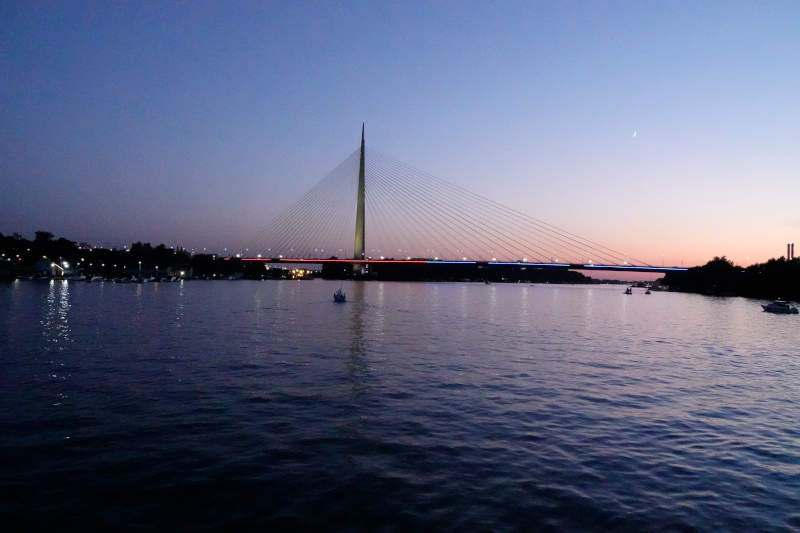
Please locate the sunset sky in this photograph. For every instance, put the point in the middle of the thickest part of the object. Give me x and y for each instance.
(669, 130)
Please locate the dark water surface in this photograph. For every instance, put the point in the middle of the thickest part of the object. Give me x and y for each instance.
(263, 405)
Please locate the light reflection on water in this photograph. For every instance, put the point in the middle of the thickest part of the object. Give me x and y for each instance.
(55, 320)
(419, 405)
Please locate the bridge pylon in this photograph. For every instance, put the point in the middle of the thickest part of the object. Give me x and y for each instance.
(359, 248)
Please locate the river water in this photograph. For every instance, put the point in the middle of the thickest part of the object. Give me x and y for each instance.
(264, 405)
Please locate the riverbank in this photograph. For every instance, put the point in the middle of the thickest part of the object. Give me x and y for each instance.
(777, 278)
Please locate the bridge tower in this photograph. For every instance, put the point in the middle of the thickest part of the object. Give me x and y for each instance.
(359, 250)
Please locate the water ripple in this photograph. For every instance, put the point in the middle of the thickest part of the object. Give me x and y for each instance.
(414, 406)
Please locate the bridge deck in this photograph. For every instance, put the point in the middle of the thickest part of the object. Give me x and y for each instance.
(564, 266)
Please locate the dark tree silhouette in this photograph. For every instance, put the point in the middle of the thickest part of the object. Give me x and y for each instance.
(43, 236)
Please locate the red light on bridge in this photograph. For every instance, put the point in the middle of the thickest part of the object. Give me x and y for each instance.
(321, 261)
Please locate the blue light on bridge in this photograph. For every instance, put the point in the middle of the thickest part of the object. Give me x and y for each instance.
(527, 264)
(632, 267)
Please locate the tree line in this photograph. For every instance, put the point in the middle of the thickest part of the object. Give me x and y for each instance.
(26, 257)
(777, 278)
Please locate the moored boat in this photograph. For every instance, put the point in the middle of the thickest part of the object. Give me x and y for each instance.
(780, 307)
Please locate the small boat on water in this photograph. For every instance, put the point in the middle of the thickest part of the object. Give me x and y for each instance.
(339, 297)
(647, 291)
(780, 307)
(628, 291)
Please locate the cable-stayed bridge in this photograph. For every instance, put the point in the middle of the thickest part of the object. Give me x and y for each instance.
(374, 209)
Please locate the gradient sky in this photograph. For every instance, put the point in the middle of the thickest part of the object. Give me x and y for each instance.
(194, 123)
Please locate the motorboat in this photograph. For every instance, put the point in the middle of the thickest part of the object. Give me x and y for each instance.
(628, 291)
(647, 291)
(780, 307)
(339, 297)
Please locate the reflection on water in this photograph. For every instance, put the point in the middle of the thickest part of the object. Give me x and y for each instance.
(492, 303)
(56, 334)
(55, 320)
(357, 365)
(179, 305)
